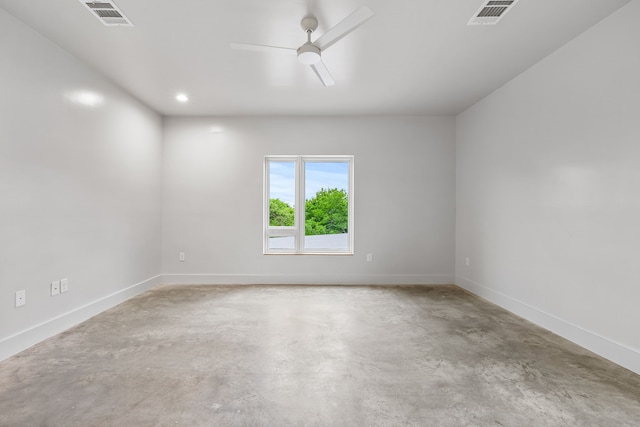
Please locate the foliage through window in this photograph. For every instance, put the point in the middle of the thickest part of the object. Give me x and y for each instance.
(308, 204)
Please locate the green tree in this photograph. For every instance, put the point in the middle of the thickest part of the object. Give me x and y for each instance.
(327, 212)
(280, 213)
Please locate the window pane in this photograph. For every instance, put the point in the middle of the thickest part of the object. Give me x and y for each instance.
(326, 205)
(282, 194)
(282, 242)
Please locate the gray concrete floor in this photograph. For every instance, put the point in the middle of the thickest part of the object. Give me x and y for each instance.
(312, 356)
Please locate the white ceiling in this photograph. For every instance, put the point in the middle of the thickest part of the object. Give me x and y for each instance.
(413, 57)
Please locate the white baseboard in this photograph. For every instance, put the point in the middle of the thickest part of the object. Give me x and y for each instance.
(22, 340)
(310, 279)
(605, 347)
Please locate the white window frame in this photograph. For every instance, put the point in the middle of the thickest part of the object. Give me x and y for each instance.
(298, 229)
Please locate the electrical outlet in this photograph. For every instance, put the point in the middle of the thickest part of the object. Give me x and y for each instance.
(64, 285)
(181, 256)
(369, 257)
(55, 288)
(467, 262)
(21, 298)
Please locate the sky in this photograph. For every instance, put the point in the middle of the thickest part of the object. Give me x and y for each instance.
(317, 175)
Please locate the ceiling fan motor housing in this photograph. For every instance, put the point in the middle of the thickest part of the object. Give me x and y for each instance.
(308, 54)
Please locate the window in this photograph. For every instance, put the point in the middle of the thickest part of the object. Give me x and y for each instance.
(308, 205)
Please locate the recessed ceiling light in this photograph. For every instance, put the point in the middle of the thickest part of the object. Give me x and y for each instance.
(181, 97)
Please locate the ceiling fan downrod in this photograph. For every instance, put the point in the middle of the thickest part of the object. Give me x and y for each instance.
(309, 54)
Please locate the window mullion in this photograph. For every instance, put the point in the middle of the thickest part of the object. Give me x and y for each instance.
(299, 204)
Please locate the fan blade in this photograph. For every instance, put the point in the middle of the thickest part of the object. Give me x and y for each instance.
(344, 27)
(323, 73)
(262, 48)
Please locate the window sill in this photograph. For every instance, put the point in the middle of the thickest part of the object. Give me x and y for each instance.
(310, 253)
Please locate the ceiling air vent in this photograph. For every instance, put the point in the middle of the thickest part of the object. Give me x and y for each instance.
(491, 12)
(107, 12)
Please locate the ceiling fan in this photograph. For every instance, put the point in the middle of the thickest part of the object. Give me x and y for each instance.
(310, 52)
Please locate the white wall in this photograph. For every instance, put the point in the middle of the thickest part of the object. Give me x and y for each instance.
(548, 191)
(79, 189)
(404, 199)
